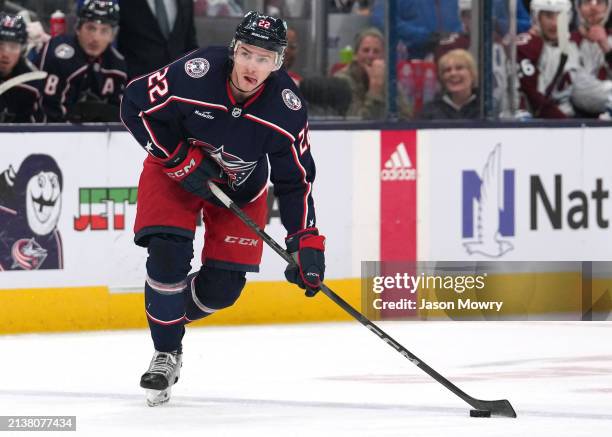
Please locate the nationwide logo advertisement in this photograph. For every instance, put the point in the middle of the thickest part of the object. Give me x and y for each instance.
(488, 208)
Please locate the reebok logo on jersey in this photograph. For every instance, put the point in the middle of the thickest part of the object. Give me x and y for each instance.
(399, 166)
(204, 114)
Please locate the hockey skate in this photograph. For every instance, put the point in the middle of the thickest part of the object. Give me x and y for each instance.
(163, 373)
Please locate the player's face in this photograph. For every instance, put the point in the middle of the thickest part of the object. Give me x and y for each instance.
(252, 65)
(456, 77)
(370, 49)
(548, 24)
(94, 38)
(593, 11)
(10, 52)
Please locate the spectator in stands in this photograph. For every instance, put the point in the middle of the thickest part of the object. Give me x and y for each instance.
(421, 24)
(548, 61)
(86, 73)
(593, 90)
(459, 97)
(20, 103)
(291, 53)
(366, 77)
(153, 33)
(500, 49)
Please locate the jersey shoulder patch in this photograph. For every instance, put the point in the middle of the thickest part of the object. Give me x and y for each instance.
(292, 101)
(64, 51)
(197, 67)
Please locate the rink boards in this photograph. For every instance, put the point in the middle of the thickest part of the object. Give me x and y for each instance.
(453, 194)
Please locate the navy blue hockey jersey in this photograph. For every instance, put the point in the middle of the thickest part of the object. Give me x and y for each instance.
(22, 103)
(75, 77)
(264, 137)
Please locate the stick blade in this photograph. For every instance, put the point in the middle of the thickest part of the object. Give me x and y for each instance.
(501, 408)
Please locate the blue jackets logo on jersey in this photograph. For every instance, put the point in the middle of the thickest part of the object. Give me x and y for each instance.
(237, 170)
(64, 51)
(292, 101)
(197, 67)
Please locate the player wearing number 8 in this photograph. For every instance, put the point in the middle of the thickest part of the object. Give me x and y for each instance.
(236, 118)
(87, 74)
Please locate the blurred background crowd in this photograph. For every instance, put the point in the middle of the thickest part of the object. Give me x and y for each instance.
(452, 59)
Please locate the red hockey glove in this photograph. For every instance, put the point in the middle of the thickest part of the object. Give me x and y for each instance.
(307, 248)
(193, 169)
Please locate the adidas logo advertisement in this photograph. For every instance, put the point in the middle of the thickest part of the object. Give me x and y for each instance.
(399, 166)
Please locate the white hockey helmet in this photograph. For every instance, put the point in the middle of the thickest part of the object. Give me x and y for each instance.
(550, 5)
(564, 7)
(583, 22)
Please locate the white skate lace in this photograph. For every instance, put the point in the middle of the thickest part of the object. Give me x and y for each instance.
(163, 363)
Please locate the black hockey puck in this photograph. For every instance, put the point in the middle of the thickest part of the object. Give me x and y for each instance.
(480, 413)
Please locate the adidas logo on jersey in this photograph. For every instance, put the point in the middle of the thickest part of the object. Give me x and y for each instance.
(399, 166)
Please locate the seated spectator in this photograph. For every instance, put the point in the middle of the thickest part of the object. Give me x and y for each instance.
(291, 54)
(326, 96)
(20, 103)
(499, 48)
(366, 78)
(593, 90)
(548, 61)
(459, 79)
(87, 74)
(421, 24)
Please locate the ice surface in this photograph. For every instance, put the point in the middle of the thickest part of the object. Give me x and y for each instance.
(322, 380)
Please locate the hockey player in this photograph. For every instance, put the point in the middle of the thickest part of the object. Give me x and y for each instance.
(548, 61)
(22, 102)
(235, 118)
(594, 90)
(87, 74)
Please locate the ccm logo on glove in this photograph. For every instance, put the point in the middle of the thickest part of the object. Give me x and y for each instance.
(181, 173)
(307, 248)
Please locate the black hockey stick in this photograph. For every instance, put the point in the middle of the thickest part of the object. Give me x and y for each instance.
(496, 408)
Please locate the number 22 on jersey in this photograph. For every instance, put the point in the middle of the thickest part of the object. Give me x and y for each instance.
(158, 85)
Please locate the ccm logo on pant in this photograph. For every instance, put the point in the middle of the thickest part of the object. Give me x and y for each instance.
(241, 240)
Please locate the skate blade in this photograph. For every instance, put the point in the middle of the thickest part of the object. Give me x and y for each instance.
(157, 397)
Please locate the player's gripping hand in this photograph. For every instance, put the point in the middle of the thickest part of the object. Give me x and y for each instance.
(193, 169)
(308, 250)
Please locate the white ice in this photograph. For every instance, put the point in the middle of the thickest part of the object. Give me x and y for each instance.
(322, 380)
